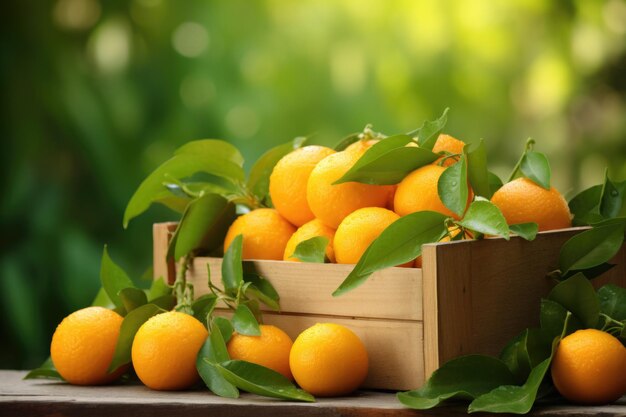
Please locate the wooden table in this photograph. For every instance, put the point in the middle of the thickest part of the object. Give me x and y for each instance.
(49, 398)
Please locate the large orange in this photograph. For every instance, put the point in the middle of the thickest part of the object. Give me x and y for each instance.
(307, 231)
(328, 360)
(418, 192)
(271, 349)
(589, 367)
(265, 234)
(332, 203)
(83, 345)
(523, 201)
(446, 143)
(164, 351)
(289, 179)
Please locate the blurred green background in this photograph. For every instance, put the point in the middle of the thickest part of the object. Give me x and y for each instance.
(95, 94)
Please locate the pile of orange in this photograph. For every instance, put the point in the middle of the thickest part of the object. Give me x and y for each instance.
(351, 215)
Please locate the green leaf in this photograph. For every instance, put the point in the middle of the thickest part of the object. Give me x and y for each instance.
(203, 306)
(452, 187)
(132, 322)
(113, 278)
(484, 217)
(260, 380)
(244, 321)
(215, 148)
(526, 351)
(158, 289)
(613, 301)
(211, 353)
(536, 167)
(388, 162)
(400, 242)
(466, 377)
(347, 141)
(589, 273)
(526, 231)
(312, 250)
(494, 183)
(613, 198)
(262, 289)
(428, 134)
(592, 247)
(585, 206)
(577, 295)
(259, 180)
(46, 370)
(182, 165)
(225, 326)
(553, 317)
(512, 398)
(132, 298)
(103, 300)
(166, 302)
(203, 225)
(232, 270)
(477, 172)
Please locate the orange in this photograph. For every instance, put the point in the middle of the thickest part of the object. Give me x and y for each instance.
(523, 201)
(332, 203)
(83, 345)
(288, 182)
(271, 349)
(328, 360)
(165, 348)
(265, 234)
(446, 143)
(418, 192)
(307, 231)
(589, 367)
(358, 230)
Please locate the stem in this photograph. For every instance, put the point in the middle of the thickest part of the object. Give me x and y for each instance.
(447, 156)
(529, 147)
(181, 288)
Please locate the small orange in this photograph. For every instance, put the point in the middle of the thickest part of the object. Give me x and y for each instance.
(358, 230)
(288, 182)
(271, 349)
(523, 201)
(164, 351)
(307, 231)
(446, 143)
(328, 360)
(83, 345)
(418, 192)
(332, 203)
(589, 367)
(265, 234)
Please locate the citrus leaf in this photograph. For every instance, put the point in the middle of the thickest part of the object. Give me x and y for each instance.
(526, 351)
(113, 279)
(494, 183)
(536, 167)
(45, 371)
(263, 381)
(577, 295)
(526, 231)
(261, 289)
(132, 322)
(203, 306)
(388, 162)
(466, 377)
(211, 353)
(158, 289)
(132, 298)
(213, 148)
(592, 247)
(232, 270)
(103, 300)
(484, 217)
(585, 206)
(613, 301)
(225, 326)
(612, 203)
(589, 273)
(428, 134)
(477, 172)
(166, 302)
(259, 179)
(452, 187)
(312, 250)
(400, 242)
(553, 317)
(244, 321)
(347, 141)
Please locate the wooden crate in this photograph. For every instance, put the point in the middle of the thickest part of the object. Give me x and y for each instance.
(469, 297)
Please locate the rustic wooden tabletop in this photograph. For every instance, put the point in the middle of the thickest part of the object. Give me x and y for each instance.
(49, 398)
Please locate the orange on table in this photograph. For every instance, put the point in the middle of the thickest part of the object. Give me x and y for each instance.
(265, 234)
(289, 179)
(332, 203)
(164, 351)
(358, 230)
(589, 367)
(328, 360)
(448, 144)
(418, 192)
(83, 345)
(307, 231)
(523, 201)
(271, 349)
